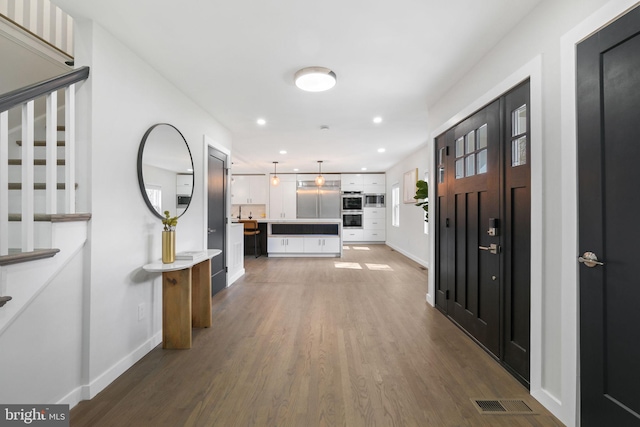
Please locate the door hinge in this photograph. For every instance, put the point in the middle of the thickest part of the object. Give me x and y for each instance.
(446, 294)
(226, 171)
(446, 150)
(446, 223)
(226, 269)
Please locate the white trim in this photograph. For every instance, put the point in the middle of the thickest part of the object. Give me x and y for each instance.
(70, 149)
(33, 44)
(422, 262)
(27, 192)
(569, 267)
(4, 182)
(533, 71)
(89, 391)
(51, 167)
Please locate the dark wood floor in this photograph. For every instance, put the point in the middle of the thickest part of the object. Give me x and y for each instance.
(317, 342)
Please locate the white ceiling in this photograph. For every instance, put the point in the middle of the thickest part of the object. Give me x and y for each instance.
(236, 59)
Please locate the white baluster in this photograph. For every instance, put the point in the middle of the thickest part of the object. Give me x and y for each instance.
(51, 153)
(27, 177)
(4, 182)
(70, 148)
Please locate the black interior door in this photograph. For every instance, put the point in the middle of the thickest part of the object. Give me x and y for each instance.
(483, 233)
(216, 221)
(608, 101)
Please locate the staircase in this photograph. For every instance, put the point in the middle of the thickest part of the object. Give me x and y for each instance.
(38, 219)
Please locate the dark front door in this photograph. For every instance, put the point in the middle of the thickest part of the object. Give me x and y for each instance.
(474, 301)
(483, 234)
(608, 98)
(216, 224)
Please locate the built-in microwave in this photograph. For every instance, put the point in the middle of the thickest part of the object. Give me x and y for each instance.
(352, 219)
(374, 200)
(351, 201)
(183, 201)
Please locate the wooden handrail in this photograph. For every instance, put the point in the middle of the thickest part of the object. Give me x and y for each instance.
(27, 93)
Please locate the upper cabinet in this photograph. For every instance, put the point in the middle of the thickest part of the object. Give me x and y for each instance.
(282, 198)
(352, 182)
(374, 183)
(249, 189)
(184, 184)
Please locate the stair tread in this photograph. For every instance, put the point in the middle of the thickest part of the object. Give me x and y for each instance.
(36, 162)
(16, 256)
(41, 143)
(37, 186)
(40, 217)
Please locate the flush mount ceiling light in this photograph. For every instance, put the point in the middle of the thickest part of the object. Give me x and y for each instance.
(261, 122)
(377, 120)
(315, 79)
(319, 178)
(275, 180)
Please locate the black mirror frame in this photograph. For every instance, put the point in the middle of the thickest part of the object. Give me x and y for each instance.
(143, 190)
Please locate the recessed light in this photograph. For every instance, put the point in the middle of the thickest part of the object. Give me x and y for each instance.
(363, 169)
(377, 120)
(324, 127)
(261, 122)
(381, 150)
(296, 169)
(283, 151)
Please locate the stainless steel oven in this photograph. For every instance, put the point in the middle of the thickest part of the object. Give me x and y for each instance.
(374, 200)
(352, 219)
(352, 201)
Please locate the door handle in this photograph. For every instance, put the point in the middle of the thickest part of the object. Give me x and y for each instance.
(493, 248)
(589, 259)
(209, 230)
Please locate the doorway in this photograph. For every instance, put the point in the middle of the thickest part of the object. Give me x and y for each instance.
(217, 216)
(483, 228)
(608, 96)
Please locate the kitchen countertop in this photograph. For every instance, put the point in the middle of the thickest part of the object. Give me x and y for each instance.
(298, 220)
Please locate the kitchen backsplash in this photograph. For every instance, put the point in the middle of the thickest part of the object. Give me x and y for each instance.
(256, 211)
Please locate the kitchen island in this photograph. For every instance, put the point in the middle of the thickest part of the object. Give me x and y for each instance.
(303, 237)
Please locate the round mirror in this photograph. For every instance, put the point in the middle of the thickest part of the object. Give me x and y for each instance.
(165, 170)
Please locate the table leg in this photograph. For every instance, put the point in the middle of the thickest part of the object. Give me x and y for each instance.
(176, 309)
(201, 295)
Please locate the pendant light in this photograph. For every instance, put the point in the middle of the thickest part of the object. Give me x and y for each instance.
(319, 178)
(275, 180)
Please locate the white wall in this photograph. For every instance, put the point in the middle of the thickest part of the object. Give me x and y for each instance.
(409, 238)
(123, 97)
(537, 36)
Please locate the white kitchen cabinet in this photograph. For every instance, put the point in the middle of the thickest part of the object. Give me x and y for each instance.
(351, 182)
(374, 235)
(370, 213)
(281, 245)
(321, 244)
(236, 253)
(374, 183)
(282, 198)
(352, 234)
(374, 225)
(249, 190)
(184, 184)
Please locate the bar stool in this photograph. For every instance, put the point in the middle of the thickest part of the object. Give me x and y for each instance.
(251, 229)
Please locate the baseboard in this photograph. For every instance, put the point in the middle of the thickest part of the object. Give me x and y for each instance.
(431, 300)
(87, 392)
(420, 261)
(550, 402)
(238, 274)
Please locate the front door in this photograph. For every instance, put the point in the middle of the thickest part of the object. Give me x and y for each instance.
(483, 228)
(217, 220)
(608, 105)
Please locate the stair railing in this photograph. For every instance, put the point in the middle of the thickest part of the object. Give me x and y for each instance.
(25, 97)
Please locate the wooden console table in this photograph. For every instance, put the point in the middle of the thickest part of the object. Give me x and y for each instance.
(186, 297)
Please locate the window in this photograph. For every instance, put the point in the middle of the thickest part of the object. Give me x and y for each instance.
(395, 205)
